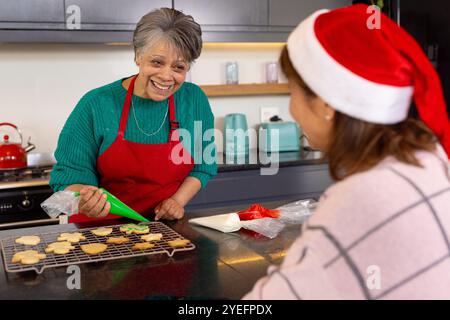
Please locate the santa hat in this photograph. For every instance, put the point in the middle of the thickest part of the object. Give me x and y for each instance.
(368, 73)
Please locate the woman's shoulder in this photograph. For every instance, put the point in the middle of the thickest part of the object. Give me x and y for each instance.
(105, 91)
(194, 100)
(97, 100)
(192, 90)
(359, 184)
(392, 182)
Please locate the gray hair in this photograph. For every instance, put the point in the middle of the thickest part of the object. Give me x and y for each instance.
(180, 30)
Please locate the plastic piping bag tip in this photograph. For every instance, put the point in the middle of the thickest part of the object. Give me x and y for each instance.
(121, 209)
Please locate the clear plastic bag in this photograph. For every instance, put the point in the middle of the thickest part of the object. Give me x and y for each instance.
(297, 212)
(61, 202)
(292, 213)
(268, 227)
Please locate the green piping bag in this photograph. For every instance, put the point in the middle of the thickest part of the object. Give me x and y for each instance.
(119, 208)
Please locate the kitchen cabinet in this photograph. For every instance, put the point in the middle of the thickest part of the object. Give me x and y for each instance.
(249, 186)
(230, 21)
(114, 14)
(100, 21)
(289, 13)
(428, 24)
(252, 20)
(113, 21)
(26, 14)
(231, 13)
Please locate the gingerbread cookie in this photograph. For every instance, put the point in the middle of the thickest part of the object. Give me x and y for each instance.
(142, 246)
(152, 237)
(102, 231)
(134, 228)
(178, 242)
(74, 237)
(63, 247)
(117, 240)
(93, 248)
(27, 257)
(28, 240)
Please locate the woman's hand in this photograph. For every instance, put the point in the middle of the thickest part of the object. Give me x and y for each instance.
(93, 202)
(169, 209)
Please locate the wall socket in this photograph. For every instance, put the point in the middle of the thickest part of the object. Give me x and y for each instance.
(267, 113)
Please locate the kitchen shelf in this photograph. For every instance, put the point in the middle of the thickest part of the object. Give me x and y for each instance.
(252, 89)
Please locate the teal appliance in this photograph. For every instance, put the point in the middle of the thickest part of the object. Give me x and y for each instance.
(236, 141)
(279, 136)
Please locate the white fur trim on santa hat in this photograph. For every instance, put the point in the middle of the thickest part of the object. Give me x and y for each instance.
(342, 89)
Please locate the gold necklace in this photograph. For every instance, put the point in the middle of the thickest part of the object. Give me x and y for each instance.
(137, 124)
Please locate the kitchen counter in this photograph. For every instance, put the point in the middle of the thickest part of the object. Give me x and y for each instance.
(225, 163)
(257, 160)
(223, 266)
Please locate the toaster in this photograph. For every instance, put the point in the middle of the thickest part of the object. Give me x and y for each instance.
(286, 132)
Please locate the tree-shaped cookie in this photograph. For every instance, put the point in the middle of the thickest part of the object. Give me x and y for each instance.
(134, 228)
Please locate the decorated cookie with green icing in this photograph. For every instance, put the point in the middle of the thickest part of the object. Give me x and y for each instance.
(134, 228)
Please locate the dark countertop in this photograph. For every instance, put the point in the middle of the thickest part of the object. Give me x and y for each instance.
(223, 266)
(257, 160)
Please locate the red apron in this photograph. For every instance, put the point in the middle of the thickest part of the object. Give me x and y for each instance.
(141, 175)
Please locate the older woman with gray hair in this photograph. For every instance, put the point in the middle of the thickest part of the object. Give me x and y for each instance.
(125, 136)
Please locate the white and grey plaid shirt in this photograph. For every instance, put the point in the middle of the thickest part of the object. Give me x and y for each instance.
(380, 234)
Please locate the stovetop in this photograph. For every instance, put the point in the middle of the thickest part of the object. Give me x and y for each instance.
(25, 174)
(37, 173)
(30, 176)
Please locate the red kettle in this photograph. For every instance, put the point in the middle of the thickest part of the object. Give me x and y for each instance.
(13, 155)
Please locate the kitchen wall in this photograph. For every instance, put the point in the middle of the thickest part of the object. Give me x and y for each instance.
(41, 83)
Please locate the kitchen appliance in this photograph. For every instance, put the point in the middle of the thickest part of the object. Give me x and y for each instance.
(279, 136)
(13, 155)
(23, 190)
(236, 141)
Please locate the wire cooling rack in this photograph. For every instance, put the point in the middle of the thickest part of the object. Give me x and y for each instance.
(77, 256)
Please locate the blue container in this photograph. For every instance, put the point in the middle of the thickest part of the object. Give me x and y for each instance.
(236, 141)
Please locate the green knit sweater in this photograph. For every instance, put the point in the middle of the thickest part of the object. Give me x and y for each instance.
(93, 125)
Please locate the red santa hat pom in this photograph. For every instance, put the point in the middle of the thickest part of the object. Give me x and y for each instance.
(368, 73)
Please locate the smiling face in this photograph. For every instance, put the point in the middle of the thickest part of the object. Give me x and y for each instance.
(162, 71)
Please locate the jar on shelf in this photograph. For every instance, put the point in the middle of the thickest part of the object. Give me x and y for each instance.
(232, 73)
